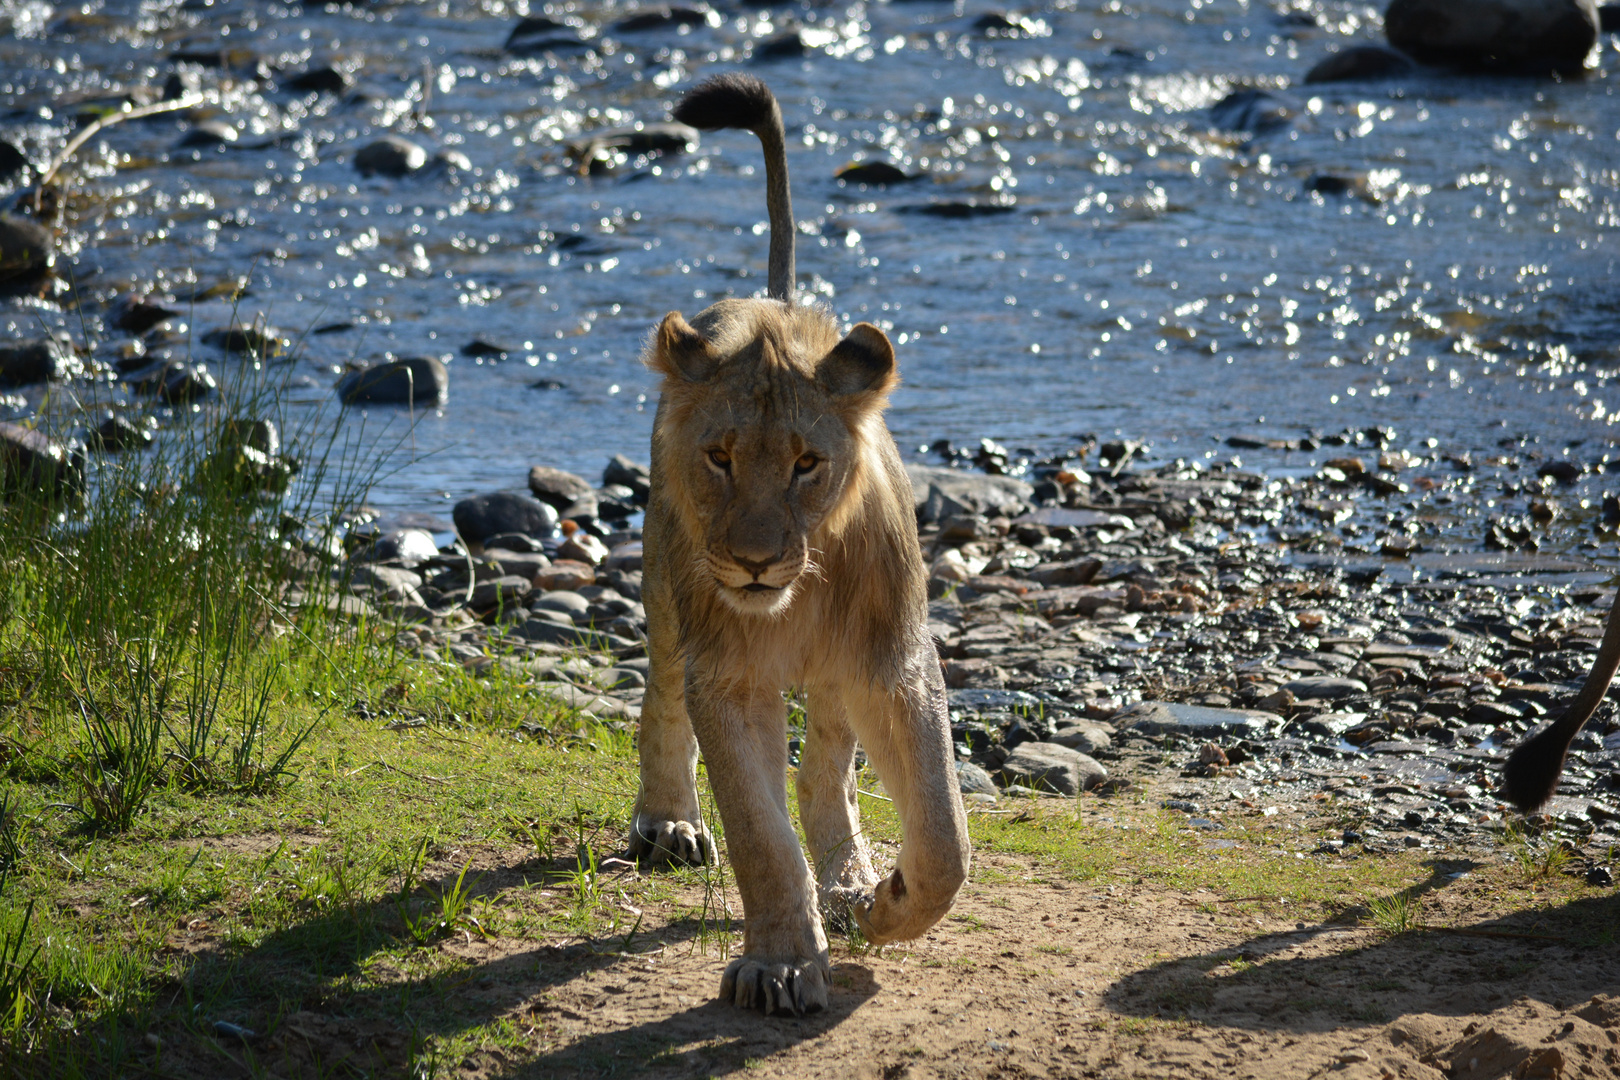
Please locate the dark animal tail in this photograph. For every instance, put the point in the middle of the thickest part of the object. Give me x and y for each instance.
(742, 101)
(1531, 773)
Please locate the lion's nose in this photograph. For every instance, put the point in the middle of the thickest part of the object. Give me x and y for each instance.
(756, 567)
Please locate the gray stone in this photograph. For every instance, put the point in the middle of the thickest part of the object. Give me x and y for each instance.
(1073, 572)
(1525, 36)
(41, 360)
(553, 633)
(598, 705)
(558, 488)
(624, 472)
(972, 780)
(264, 342)
(506, 590)
(1161, 717)
(26, 249)
(1051, 767)
(569, 603)
(408, 546)
(940, 493)
(1359, 63)
(524, 564)
(173, 381)
(413, 380)
(1054, 516)
(30, 462)
(975, 701)
(121, 433)
(622, 678)
(625, 557)
(390, 155)
(1086, 738)
(1324, 687)
(484, 516)
(390, 581)
(208, 133)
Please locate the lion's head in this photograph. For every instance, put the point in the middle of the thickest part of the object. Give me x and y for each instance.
(766, 421)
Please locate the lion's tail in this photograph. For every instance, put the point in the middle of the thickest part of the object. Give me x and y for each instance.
(1531, 773)
(742, 101)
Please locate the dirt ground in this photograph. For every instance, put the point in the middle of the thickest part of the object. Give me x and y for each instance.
(1035, 977)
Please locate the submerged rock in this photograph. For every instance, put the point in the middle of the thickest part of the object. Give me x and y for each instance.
(23, 363)
(264, 342)
(412, 380)
(874, 173)
(26, 249)
(1254, 111)
(1360, 62)
(1521, 36)
(390, 155)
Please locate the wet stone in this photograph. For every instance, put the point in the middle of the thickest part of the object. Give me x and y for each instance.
(1161, 717)
(208, 133)
(25, 249)
(119, 433)
(391, 156)
(486, 515)
(558, 488)
(1362, 62)
(1324, 687)
(41, 360)
(413, 380)
(31, 462)
(972, 780)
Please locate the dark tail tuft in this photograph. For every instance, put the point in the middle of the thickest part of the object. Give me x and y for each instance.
(1531, 773)
(732, 100)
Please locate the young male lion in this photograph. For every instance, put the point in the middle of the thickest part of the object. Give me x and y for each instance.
(781, 552)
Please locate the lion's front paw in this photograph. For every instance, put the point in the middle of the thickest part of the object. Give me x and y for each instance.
(796, 986)
(657, 842)
(897, 913)
(839, 903)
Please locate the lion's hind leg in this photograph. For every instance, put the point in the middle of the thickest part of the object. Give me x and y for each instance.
(830, 813)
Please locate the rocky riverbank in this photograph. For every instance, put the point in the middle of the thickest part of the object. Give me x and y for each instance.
(1100, 624)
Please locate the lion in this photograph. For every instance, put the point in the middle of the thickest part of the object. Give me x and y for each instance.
(780, 552)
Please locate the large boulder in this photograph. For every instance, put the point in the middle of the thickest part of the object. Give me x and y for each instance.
(483, 516)
(413, 380)
(1523, 36)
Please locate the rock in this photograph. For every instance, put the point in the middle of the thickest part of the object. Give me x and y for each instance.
(1538, 37)
(406, 546)
(50, 359)
(1609, 18)
(558, 488)
(566, 574)
(396, 584)
(561, 600)
(972, 780)
(261, 342)
(324, 79)
(525, 564)
(1324, 686)
(977, 701)
(32, 463)
(478, 347)
(120, 433)
(1360, 62)
(261, 435)
(782, 46)
(1211, 754)
(1052, 767)
(504, 591)
(941, 493)
(582, 547)
(548, 632)
(208, 133)
(172, 381)
(485, 515)
(1073, 572)
(659, 18)
(1057, 516)
(1254, 111)
(959, 209)
(26, 249)
(1162, 717)
(653, 138)
(622, 471)
(537, 33)
(390, 155)
(598, 705)
(874, 173)
(1086, 738)
(625, 557)
(12, 162)
(137, 315)
(412, 380)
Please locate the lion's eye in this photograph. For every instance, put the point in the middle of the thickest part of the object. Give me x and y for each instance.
(805, 464)
(720, 459)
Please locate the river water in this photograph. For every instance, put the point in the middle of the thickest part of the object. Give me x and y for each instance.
(1152, 275)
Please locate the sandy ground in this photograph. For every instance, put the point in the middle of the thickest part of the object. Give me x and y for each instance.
(1030, 977)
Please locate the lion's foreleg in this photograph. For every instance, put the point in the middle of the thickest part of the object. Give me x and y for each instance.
(829, 811)
(667, 825)
(906, 733)
(784, 964)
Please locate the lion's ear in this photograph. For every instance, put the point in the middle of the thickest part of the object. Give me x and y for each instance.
(862, 363)
(682, 352)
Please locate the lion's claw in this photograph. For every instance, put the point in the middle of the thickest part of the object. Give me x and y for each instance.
(798, 986)
(656, 843)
